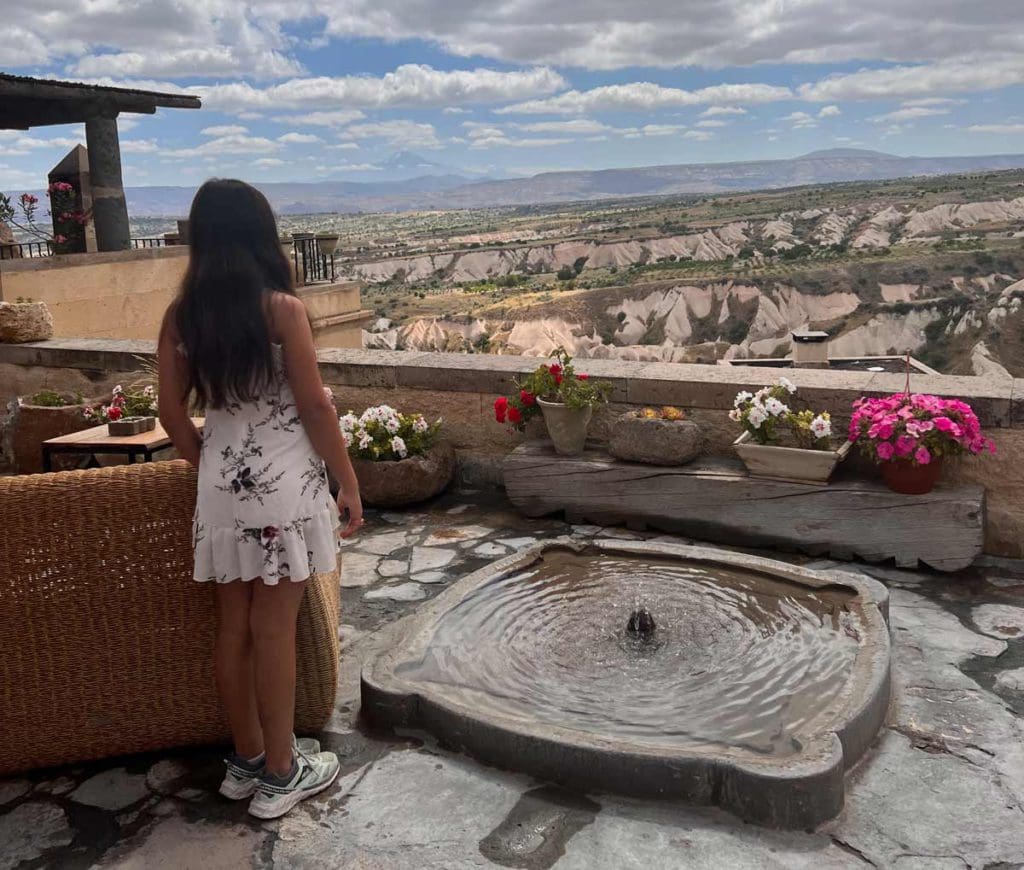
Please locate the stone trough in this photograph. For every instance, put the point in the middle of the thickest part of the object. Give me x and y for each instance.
(758, 685)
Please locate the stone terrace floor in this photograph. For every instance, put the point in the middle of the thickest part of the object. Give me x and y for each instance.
(942, 788)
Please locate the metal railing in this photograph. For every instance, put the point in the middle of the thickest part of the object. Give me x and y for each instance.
(312, 265)
(21, 250)
(155, 242)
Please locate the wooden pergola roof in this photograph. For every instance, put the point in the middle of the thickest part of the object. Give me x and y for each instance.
(29, 102)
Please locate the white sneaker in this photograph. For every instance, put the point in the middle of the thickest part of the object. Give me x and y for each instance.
(240, 779)
(314, 772)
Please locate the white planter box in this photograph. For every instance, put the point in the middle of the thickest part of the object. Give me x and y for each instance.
(792, 464)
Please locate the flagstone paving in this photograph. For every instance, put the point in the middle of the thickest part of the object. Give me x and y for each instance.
(942, 788)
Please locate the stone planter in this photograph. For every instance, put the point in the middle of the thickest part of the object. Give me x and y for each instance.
(31, 425)
(25, 321)
(407, 481)
(131, 425)
(793, 464)
(654, 441)
(326, 243)
(567, 427)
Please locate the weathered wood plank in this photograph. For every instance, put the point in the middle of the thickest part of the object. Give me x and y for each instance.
(715, 501)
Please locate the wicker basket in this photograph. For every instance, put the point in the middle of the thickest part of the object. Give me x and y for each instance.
(105, 640)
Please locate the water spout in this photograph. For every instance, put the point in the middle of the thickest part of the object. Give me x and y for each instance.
(641, 624)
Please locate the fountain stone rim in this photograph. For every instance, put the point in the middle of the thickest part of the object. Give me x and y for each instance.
(798, 791)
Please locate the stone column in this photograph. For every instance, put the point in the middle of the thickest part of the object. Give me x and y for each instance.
(109, 209)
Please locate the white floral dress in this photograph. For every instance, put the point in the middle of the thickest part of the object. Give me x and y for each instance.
(263, 507)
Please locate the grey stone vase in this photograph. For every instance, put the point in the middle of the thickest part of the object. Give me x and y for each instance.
(567, 427)
(654, 441)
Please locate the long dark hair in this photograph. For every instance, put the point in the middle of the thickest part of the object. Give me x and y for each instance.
(235, 261)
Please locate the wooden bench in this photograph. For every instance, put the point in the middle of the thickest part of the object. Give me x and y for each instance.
(715, 500)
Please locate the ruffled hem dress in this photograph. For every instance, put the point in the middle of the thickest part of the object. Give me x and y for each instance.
(263, 506)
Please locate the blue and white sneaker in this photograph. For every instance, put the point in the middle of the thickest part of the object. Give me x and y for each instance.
(311, 773)
(242, 776)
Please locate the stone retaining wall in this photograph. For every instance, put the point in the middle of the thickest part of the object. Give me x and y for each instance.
(461, 389)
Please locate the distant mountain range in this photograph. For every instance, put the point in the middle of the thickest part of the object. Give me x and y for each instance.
(417, 183)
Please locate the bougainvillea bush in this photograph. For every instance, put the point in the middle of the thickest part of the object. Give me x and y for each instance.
(769, 418)
(68, 220)
(557, 382)
(383, 434)
(916, 428)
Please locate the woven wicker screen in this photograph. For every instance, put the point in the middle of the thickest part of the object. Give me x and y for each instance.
(105, 640)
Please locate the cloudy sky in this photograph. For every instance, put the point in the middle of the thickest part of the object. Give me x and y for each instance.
(295, 90)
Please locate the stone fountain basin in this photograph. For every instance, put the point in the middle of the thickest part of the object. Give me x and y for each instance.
(799, 790)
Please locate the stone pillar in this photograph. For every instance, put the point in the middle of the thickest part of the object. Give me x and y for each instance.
(73, 170)
(110, 211)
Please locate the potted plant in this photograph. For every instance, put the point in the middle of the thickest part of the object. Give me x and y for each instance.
(398, 458)
(780, 443)
(39, 417)
(911, 436)
(127, 413)
(564, 398)
(656, 436)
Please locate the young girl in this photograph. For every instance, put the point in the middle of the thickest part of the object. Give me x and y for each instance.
(239, 340)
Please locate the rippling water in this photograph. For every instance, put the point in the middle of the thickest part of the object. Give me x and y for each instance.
(738, 659)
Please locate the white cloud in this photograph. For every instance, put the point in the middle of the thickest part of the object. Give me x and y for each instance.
(294, 138)
(343, 146)
(830, 112)
(224, 130)
(268, 162)
(399, 133)
(908, 113)
(800, 120)
(217, 60)
(723, 110)
(31, 143)
(956, 75)
(935, 101)
(236, 144)
(712, 122)
(139, 146)
(698, 135)
(664, 130)
(454, 110)
(502, 141)
(581, 126)
(646, 96)
(1013, 129)
(408, 85)
(338, 118)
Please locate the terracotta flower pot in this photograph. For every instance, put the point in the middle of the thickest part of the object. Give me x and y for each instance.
(567, 426)
(909, 479)
(34, 424)
(406, 481)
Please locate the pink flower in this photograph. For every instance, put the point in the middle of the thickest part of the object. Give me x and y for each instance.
(922, 457)
(905, 445)
(944, 424)
(885, 451)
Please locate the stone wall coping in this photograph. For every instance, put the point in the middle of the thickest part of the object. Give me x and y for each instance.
(72, 261)
(999, 402)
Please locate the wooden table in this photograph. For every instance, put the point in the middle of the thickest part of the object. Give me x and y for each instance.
(98, 440)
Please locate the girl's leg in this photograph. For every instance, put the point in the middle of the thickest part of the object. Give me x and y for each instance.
(233, 665)
(272, 618)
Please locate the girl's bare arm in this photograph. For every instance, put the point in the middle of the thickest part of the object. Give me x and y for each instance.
(173, 393)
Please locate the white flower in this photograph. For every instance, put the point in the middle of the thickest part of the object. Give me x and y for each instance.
(821, 427)
(398, 446)
(787, 385)
(347, 437)
(762, 394)
(756, 416)
(742, 398)
(392, 424)
(149, 392)
(365, 439)
(419, 424)
(348, 422)
(774, 407)
(736, 415)
(117, 390)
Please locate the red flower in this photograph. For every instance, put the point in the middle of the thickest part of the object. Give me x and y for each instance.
(500, 409)
(113, 413)
(582, 377)
(269, 533)
(556, 370)
(558, 380)
(527, 398)
(514, 417)
(28, 199)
